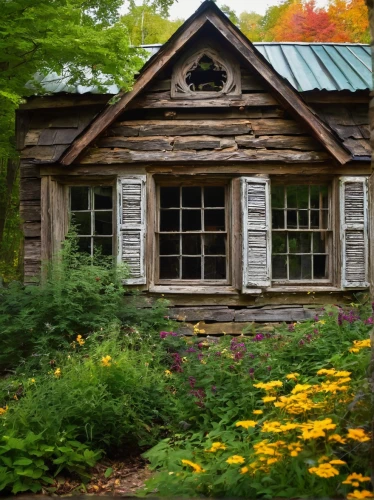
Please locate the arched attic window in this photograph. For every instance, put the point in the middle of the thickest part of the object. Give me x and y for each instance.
(205, 73)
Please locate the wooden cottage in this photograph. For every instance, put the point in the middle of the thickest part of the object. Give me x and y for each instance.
(233, 179)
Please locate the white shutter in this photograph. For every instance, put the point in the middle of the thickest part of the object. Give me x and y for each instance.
(354, 231)
(256, 233)
(132, 217)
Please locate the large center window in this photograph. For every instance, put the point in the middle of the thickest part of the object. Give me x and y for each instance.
(301, 233)
(192, 233)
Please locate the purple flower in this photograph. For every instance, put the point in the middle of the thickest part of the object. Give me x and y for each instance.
(214, 389)
(252, 372)
(258, 337)
(191, 349)
(315, 331)
(218, 354)
(200, 356)
(251, 355)
(316, 318)
(369, 321)
(163, 335)
(291, 327)
(192, 382)
(301, 342)
(268, 368)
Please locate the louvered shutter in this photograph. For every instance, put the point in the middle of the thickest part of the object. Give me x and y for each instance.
(354, 231)
(132, 216)
(256, 233)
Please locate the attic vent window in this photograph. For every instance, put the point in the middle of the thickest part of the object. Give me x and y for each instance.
(205, 73)
(206, 76)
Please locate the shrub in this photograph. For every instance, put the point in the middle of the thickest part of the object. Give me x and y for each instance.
(281, 415)
(78, 295)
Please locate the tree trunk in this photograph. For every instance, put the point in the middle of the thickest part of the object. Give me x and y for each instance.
(11, 167)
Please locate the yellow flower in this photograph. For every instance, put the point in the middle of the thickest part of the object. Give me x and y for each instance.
(3, 410)
(337, 438)
(323, 371)
(32, 380)
(168, 373)
(361, 494)
(354, 477)
(294, 448)
(271, 427)
(321, 322)
(80, 340)
(300, 388)
(293, 376)
(235, 459)
(106, 361)
(57, 373)
(216, 446)
(272, 461)
(268, 386)
(257, 412)
(246, 423)
(342, 374)
(337, 462)
(360, 344)
(196, 467)
(268, 399)
(244, 470)
(358, 435)
(324, 470)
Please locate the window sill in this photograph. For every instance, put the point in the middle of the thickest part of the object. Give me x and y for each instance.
(187, 290)
(304, 288)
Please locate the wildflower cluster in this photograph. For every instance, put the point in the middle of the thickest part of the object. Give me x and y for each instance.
(360, 344)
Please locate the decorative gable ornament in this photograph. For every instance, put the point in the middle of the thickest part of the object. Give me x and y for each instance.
(204, 73)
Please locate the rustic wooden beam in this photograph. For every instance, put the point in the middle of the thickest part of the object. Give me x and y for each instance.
(282, 91)
(110, 156)
(65, 101)
(278, 141)
(164, 101)
(93, 171)
(182, 127)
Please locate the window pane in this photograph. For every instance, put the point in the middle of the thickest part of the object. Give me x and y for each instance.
(169, 220)
(319, 242)
(303, 219)
(169, 244)
(314, 197)
(191, 244)
(83, 222)
(84, 245)
(299, 242)
(315, 216)
(191, 220)
(191, 268)
(291, 219)
(104, 245)
(320, 264)
(279, 267)
(169, 268)
(103, 197)
(169, 197)
(295, 267)
(277, 197)
(279, 242)
(79, 198)
(292, 196)
(278, 219)
(214, 220)
(325, 219)
(103, 222)
(325, 196)
(215, 268)
(191, 197)
(215, 244)
(214, 196)
(302, 196)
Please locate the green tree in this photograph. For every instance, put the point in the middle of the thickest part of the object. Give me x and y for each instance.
(145, 25)
(81, 40)
(271, 18)
(250, 25)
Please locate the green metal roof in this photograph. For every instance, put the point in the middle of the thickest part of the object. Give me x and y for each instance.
(307, 66)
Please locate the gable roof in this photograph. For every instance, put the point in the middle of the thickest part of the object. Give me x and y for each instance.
(306, 66)
(209, 13)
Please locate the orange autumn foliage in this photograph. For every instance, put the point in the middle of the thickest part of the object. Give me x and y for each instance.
(303, 21)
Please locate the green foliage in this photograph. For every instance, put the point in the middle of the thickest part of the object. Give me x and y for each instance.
(109, 389)
(216, 385)
(28, 463)
(78, 295)
(146, 26)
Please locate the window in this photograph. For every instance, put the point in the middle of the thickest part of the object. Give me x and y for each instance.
(192, 234)
(92, 212)
(301, 233)
(205, 76)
